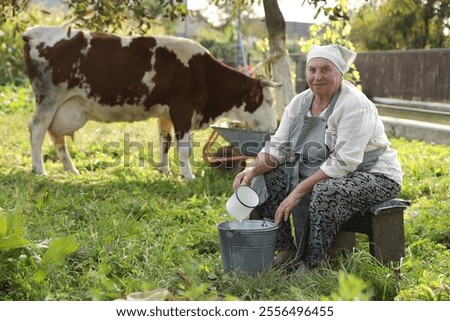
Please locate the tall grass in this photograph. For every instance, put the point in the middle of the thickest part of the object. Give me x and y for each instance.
(129, 228)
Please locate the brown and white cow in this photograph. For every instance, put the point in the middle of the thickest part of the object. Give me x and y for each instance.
(85, 76)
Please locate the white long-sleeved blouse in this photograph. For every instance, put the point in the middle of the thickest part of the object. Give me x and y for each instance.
(353, 128)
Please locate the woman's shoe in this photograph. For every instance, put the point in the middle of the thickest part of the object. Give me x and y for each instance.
(284, 257)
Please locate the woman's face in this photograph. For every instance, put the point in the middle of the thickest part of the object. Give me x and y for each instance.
(323, 77)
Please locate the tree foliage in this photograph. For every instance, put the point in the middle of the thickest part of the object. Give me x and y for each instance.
(11, 8)
(139, 16)
(402, 24)
(102, 15)
(114, 15)
(334, 13)
(227, 11)
(11, 44)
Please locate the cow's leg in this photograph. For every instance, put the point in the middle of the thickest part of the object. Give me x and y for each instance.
(165, 140)
(63, 153)
(37, 131)
(37, 127)
(184, 151)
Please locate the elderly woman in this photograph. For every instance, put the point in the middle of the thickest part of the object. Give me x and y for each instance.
(328, 161)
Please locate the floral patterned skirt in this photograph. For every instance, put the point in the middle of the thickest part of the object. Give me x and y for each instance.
(332, 202)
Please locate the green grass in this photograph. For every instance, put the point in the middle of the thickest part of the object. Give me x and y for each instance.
(118, 229)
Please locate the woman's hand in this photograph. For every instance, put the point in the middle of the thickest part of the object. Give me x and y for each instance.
(304, 188)
(286, 207)
(244, 177)
(263, 163)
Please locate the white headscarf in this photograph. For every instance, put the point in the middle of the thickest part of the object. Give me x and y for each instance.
(340, 56)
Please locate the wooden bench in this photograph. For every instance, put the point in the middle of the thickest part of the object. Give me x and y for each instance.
(383, 224)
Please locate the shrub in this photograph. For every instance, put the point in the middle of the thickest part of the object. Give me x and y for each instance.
(11, 42)
(11, 55)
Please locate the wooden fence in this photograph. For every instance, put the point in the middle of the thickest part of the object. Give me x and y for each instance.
(422, 75)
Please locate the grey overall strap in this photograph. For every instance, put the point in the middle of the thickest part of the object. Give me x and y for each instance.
(306, 106)
(330, 108)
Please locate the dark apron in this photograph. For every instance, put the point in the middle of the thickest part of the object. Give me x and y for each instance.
(310, 153)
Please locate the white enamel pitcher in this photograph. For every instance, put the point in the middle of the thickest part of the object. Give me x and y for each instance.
(242, 202)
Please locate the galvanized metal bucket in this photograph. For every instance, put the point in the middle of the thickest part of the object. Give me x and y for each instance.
(247, 246)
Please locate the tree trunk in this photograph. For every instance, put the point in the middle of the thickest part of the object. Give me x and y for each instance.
(279, 57)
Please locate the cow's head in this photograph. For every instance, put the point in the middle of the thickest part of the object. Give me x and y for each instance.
(264, 119)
